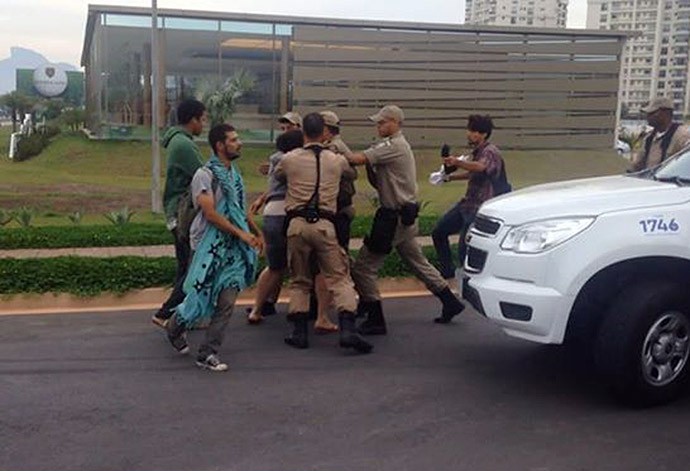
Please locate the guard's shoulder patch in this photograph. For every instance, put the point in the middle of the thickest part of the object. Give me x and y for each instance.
(384, 143)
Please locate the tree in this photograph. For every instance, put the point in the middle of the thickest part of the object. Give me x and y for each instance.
(221, 98)
(18, 104)
(73, 118)
(50, 108)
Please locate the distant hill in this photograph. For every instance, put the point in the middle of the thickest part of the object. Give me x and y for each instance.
(21, 58)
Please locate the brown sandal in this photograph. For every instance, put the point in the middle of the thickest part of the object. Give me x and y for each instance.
(318, 330)
(253, 320)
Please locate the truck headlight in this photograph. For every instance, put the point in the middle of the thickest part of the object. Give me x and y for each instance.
(536, 237)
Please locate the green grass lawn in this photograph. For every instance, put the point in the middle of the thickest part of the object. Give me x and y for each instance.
(76, 174)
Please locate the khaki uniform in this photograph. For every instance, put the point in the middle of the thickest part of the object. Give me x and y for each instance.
(346, 210)
(396, 181)
(338, 146)
(307, 241)
(680, 140)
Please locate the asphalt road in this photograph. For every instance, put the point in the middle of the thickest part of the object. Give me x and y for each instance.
(105, 392)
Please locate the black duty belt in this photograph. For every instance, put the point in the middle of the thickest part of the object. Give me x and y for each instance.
(311, 215)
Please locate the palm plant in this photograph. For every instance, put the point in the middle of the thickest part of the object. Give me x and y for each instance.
(24, 216)
(121, 217)
(5, 217)
(75, 218)
(221, 98)
(18, 103)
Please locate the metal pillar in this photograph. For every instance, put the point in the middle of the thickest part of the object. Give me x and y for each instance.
(156, 201)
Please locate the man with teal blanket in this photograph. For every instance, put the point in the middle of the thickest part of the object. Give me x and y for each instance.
(224, 241)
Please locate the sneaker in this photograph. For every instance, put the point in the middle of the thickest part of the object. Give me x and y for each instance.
(179, 343)
(212, 363)
(159, 321)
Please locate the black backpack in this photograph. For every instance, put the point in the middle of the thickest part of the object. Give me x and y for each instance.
(500, 183)
(186, 212)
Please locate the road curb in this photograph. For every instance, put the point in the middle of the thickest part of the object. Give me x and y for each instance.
(151, 298)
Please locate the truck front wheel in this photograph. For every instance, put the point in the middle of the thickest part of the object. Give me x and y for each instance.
(644, 342)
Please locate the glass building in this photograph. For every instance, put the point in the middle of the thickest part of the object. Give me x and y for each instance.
(545, 88)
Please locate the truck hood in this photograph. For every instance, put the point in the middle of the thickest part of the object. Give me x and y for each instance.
(586, 197)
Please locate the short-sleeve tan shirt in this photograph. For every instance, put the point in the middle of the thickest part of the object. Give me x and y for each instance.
(298, 168)
(680, 140)
(396, 174)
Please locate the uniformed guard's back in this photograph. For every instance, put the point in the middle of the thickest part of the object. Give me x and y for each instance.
(313, 178)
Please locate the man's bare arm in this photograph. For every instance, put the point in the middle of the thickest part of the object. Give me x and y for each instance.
(458, 176)
(470, 166)
(207, 205)
(357, 158)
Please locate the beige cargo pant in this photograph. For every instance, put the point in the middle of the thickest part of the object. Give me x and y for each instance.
(367, 265)
(317, 242)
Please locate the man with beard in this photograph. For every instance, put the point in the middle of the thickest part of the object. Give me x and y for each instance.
(224, 241)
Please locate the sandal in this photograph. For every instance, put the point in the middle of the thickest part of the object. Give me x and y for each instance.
(319, 330)
(253, 320)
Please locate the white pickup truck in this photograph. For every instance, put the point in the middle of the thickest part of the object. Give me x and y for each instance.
(602, 263)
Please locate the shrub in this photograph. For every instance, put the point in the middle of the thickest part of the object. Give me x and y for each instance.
(24, 216)
(73, 118)
(75, 218)
(121, 217)
(50, 130)
(84, 276)
(30, 146)
(5, 217)
(87, 276)
(131, 234)
(52, 237)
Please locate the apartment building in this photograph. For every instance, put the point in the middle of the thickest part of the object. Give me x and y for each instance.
(655, 61)
(542, 13)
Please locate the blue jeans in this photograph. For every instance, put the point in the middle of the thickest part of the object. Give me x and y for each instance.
(455, 221)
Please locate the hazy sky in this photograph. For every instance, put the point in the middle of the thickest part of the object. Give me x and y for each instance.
(55, 28)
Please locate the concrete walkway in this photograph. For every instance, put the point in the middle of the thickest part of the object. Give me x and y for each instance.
(140, 251)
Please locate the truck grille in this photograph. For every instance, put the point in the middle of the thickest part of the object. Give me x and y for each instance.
(476, 259)
(471, 295)
(485, 225)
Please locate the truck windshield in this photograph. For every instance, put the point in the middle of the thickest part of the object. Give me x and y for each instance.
(675, 169)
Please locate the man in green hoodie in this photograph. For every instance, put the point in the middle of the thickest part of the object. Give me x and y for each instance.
(184, 159)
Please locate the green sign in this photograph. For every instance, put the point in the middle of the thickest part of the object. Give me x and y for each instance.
(73, 94)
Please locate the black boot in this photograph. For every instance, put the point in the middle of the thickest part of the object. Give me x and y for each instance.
(374, 324)
(313, 307)
(452, 306)
(349, 338)
(299, 336)
(362, 307)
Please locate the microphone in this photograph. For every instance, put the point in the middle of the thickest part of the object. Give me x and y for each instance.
(445, 152)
